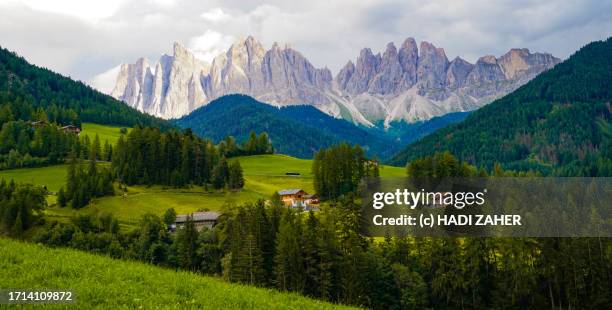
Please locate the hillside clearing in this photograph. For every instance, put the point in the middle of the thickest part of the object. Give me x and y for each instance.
(264, 174)
(104, 132)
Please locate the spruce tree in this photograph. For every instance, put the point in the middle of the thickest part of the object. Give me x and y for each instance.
(61, 197)
(71, 177)
(288, 259)
(235, 178)
(96, 148)
(220, 174)
(186, 246)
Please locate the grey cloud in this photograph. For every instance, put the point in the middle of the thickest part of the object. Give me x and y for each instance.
(327, 32)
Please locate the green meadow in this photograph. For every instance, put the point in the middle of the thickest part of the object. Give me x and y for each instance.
(264, 174)
(104, 283)
(104, 132)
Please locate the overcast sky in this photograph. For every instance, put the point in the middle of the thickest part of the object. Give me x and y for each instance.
(85, 38)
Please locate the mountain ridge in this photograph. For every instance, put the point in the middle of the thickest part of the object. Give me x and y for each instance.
(558, 123)
(407, 84)
(23, 81)
(298, 130)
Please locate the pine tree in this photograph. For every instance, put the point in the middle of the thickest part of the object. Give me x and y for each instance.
(185, 245)
(311, 255)
(95, 148)
(169, 216)
(235, 178)
(107, 151)
(71, 176)
(220, 174)
(85, 147)
(288, 259)
(61, 197)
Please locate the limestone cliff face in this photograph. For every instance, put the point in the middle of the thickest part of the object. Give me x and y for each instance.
(180, 83)
(416, 84)
(406, 84)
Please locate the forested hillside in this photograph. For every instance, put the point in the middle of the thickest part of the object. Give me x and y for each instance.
(295, 130)
(26, 87)
(559, 123)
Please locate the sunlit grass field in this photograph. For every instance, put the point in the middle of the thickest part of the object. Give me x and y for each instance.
(53, 177)
(104, 132)
(264, 174)
(104, 283)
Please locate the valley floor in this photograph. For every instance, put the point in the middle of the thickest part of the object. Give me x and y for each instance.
(264, 174)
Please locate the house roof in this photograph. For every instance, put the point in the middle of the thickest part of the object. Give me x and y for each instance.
(198, 217)
(205, 216)
(292, 191)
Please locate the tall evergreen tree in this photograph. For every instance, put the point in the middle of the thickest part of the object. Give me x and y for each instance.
(288, 259)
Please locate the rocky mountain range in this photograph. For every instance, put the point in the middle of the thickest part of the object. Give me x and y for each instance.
(412, 83)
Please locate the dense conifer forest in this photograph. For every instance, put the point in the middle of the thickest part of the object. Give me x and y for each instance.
(295, 130)
(323, 255)
(149, 156)
(65, 100)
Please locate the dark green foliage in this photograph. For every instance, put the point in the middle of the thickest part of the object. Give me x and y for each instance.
(288, 260)
(295, 130)
(235, 178)
(322, 255)
(339, 169)
(256, 145)
(152, 241)
(61, 197)
(64, 100)
(220, 174)
(20, 207)
(439, 166)
(148, 156)
(406, 133)
(25, 145)
(84, 184)
(185, 246)
(557, 123)
(247, 245)
(169, 216)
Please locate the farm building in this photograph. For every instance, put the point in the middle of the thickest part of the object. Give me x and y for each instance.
(38, 124)
(72, 129)
(297, 198)
(200, 219)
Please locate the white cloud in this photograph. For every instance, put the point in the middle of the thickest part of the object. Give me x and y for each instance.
(86, 10)
(210, 44)
(215, 15)
(81, 38)
(105, 82)
(165, 3)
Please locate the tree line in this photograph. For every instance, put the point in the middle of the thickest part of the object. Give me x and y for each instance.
(84, 184)
(20, 207)
(64, 98)
(148, 156)
(23, 144)
(324, 256)
(337, 170)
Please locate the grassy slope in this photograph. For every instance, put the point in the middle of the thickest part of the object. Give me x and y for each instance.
(105, 283)
(109, 133)
(53, 177)
(263, 174)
